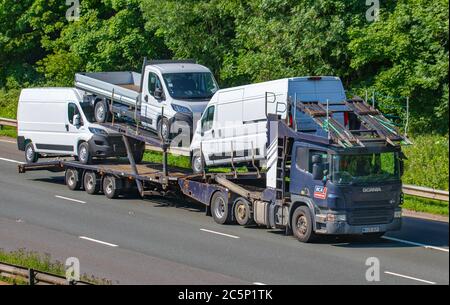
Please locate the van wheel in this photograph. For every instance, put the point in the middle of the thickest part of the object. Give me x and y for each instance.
(84, 155)
(30, 155)
(302, 224)
(164, 129)
(219, 208)
(91, 183)
(112, 187)
(197, 162)
(242, 212)
(101, 112)
(73, 180)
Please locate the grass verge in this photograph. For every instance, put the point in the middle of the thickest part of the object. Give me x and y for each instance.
(8, 131)
(426, 205)
(39, 262)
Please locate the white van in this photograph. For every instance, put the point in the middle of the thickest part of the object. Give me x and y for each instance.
(56, 122)
(234, 124)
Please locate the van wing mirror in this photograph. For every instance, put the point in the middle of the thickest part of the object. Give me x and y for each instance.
(76, 120)
(158, 93)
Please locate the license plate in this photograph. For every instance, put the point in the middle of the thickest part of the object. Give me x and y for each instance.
(371, 230)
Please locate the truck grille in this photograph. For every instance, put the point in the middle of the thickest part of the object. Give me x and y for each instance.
(370, 216)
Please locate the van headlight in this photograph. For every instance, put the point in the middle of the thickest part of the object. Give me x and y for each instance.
(181, 109)
(98, 131)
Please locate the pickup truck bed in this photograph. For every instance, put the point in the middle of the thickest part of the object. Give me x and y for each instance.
(125, 85)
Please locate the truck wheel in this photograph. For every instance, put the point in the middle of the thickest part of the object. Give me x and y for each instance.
(242, 212)
(91, 183)
(219, 208)
(73, 180)
(112, 187)
(30, 155)
(197, 163)
(164, 129)
(84, 155)
(302, 224)
(101, 112)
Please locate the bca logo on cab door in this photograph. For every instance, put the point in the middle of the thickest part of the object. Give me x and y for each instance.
(320, 192)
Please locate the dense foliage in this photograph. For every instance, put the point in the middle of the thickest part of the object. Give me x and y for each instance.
(405, 53)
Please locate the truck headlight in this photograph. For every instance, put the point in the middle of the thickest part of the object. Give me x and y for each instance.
(398, 214)
(336, 218)
(181, 109)
(98, 131)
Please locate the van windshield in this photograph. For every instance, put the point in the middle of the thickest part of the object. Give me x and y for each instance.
(88, 111)
(190, 86)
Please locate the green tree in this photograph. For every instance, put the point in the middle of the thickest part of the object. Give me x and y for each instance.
(406, 54)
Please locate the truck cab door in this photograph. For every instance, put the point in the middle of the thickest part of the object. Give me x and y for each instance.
(152, 103)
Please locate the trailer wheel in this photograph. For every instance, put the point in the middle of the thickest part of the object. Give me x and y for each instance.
(91, 183)
(73, 180)
(302, 224)
(30, 155)
(219, 208)
(101, 111)
(112, 187)
(242, 212)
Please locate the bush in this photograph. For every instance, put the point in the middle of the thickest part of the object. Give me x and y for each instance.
(8, 103)
(427, 163)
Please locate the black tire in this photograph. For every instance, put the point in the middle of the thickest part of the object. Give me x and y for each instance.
(91, 183)
(220, 209)
(101, 112)
(139, 151)
(164, 129)
(302, 224)
(197, 162)
(84, 154)
(72, 178)
(242, 212)
(30, 155)
(112, 187)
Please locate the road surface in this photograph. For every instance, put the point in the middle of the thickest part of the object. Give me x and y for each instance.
(162, 241)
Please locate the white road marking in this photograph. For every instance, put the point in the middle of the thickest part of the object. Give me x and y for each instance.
(409, 277)
(12, 161)
(5, 141)
(98, 241)
(218, 233)
(415, 244)
(259, 284)
(70, 199)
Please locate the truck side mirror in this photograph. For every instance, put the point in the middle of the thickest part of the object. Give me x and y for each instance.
(318, 171)
(76, 120)
(316, 159)
(402, 167)
(158, 93)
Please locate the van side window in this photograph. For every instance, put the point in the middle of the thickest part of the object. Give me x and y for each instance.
(73, 110)
(208, 118)
(313, 153)
(153, 83)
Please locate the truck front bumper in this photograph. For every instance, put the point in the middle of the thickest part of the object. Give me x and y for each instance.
(105, 147)
(343, 228)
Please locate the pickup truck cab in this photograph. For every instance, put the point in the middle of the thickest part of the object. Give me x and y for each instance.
(56, 122)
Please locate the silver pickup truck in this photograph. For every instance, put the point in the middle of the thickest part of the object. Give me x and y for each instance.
(166, 92)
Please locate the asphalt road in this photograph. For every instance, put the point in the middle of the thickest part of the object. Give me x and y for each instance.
(162, 241)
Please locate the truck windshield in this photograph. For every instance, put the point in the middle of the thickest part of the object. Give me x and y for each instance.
(198, 85)
(362, 169)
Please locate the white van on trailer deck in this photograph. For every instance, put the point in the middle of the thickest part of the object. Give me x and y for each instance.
(233, 127)
(56, 122)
